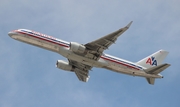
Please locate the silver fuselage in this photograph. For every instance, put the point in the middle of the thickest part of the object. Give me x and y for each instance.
(62, 47)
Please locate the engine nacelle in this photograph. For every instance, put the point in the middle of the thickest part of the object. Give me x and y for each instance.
(76, 47)
(64, 65)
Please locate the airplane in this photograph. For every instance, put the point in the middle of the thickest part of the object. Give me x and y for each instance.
(83, 57)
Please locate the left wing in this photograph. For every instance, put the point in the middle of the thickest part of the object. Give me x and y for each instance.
(81, 70)
(98, 46)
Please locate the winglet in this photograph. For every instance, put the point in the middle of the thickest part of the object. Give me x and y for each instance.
(129, 24)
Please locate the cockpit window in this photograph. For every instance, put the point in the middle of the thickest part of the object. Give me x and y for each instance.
(24, 30)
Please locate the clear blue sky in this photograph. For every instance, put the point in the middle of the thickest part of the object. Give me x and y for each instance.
(28, 77)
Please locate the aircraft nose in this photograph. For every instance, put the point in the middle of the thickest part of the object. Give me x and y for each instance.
(11, 33)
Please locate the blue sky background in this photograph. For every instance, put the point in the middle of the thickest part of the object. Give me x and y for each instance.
(28, 77)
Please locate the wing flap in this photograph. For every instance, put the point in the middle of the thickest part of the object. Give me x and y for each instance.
(82, 76)
(81, 70)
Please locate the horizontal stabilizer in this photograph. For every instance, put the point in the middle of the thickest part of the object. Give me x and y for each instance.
(157, 69)
(151, 80)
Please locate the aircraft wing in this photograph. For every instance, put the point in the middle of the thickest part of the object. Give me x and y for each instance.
(103, 43)
(81, 70)
(95, 50)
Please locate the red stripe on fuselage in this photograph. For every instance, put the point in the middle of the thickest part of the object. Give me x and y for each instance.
(43, 39)
(118, 62)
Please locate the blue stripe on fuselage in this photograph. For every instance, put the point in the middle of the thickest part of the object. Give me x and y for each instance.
(109, 58)
(45, 37)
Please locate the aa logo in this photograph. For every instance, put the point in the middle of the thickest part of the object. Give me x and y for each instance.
(152, 61)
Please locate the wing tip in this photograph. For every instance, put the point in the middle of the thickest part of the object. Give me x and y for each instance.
(129, 24)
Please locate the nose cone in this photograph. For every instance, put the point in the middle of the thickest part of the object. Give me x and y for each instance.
(10, 34)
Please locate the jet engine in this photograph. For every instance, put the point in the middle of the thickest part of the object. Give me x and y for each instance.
(76, 47)
(64, 65)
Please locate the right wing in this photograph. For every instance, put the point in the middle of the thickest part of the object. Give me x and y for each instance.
(81, 70)
(98, 46)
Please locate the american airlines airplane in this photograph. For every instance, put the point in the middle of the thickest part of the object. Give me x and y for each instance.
(83, 57)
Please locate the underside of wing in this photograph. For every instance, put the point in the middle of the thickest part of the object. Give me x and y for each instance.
(103, 43)
(82, 76)
(81, 70)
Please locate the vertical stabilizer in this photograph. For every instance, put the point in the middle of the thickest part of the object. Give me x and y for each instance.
(153, 60)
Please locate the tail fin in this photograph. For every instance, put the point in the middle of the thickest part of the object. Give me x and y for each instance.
(153, 60)
(153, 64)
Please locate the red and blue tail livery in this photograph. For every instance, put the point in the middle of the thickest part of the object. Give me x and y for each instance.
(152, 61)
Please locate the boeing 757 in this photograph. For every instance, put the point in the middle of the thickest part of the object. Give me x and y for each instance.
(83, 57)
